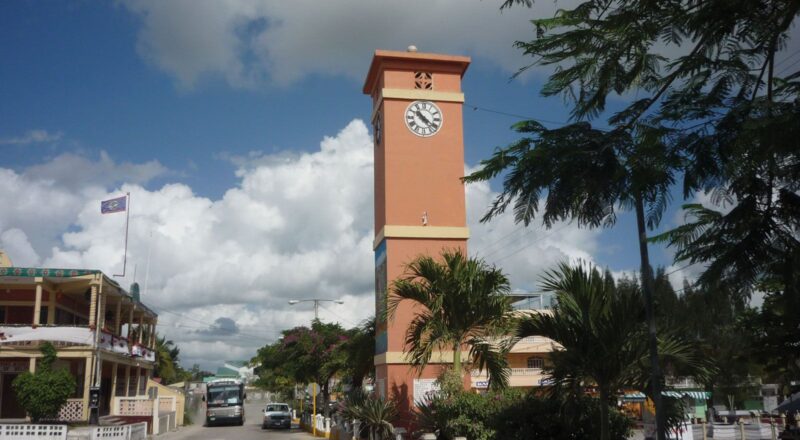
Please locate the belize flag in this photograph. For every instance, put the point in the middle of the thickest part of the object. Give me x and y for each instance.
(113, 205)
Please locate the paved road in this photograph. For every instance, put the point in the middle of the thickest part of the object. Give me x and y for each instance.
(250, 431)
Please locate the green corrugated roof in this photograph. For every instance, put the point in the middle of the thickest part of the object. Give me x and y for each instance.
(226, 372)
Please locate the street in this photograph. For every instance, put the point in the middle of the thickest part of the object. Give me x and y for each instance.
(250, 431)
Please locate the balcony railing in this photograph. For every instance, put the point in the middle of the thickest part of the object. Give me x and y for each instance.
(25, 334)
(513, 372)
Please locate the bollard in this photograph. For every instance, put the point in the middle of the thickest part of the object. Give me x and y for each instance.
(741, 428)
(705, 431)
(772, 428)
(356, 429)
(428, 437)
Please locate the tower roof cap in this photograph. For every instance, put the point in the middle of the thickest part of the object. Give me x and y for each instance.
(456, 63)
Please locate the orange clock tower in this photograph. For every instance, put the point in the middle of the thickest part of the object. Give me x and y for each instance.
(419, 197)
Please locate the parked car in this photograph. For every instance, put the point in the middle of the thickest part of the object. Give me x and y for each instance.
(277, 415)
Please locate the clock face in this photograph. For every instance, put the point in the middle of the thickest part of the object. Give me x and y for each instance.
(423, 118)
(378, 128)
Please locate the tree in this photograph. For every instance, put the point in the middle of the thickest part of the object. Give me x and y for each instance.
(304, 355)
(602, 333)
(709, 85)
(717, 102)
(165, 366)
(463, 302)
(583, 174)
(359, 351)
(44, 392)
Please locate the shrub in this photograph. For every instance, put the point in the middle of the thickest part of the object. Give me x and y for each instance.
(511, 415)
(376, 414)
(43, 393)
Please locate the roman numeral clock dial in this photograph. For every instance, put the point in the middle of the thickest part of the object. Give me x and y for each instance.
(423, 118)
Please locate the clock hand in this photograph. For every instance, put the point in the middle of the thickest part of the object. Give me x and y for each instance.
(424, 119)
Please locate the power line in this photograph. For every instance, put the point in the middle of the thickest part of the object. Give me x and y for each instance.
(497, 242)
(347, 321)
(532, 242)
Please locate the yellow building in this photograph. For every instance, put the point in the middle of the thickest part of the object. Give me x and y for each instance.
(530, 355)
(103, 335)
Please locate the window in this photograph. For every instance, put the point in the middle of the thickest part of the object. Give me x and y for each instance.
(43, 315)
(423, 80)
(535, 362)
(3, 315)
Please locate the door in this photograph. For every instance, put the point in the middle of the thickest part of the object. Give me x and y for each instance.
(9, 406)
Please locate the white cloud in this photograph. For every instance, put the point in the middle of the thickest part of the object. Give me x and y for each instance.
(295, 226)
(32, 137)
(249, 42)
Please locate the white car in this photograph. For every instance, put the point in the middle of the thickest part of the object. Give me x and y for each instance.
(277, 415)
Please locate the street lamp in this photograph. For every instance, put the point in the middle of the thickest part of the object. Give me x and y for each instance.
(316, 302)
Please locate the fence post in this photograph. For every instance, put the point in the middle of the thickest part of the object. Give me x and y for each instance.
(154, 414)
(772, 428)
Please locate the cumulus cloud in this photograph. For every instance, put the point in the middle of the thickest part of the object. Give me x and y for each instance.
(221, 272)
(32, 137)
(249, 42)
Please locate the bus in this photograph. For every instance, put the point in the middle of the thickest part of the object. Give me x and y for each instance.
(224, 400)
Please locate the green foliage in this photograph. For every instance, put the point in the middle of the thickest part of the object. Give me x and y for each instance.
(463, 302)
(303, 355)
(359, 351)
(376, 414)
(512, 415)
(602, 330)
(43, 393)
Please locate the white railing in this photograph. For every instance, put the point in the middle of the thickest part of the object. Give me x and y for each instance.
(136, 431)
(512, 372)
(72, 411)
(75, 335)
(132, 406)
(33, 432)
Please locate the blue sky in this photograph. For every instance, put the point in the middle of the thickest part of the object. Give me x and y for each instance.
(169, 99)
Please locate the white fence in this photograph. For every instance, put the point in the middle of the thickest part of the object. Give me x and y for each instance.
(33, 432)
(136, 431)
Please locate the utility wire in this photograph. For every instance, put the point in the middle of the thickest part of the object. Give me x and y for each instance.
(532, 242)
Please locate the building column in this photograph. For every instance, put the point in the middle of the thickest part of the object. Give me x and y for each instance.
(141, 329)
(114, 368)
(152, 334)
(118, 317)
(101, 310)
(138, 379)
(52, 304)
(93, 306)
(37, 307)
(87, 379)
(130, 322)
(127, 380)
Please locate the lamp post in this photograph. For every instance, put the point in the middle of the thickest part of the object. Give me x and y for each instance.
(316, 302)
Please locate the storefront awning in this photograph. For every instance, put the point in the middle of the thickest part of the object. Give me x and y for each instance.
(640, 397)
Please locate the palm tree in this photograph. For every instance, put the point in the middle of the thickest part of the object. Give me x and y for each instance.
(602, 333)
(463, 301)
(165, 366)
(581, 173)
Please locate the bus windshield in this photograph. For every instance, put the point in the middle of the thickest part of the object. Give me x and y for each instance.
(229, 395)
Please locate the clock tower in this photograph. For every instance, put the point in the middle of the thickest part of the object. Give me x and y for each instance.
(419, 197)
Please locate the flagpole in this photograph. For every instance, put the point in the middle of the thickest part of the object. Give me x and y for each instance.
(127, 219)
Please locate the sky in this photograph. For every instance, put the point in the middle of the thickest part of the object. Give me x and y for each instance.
(241, 132)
